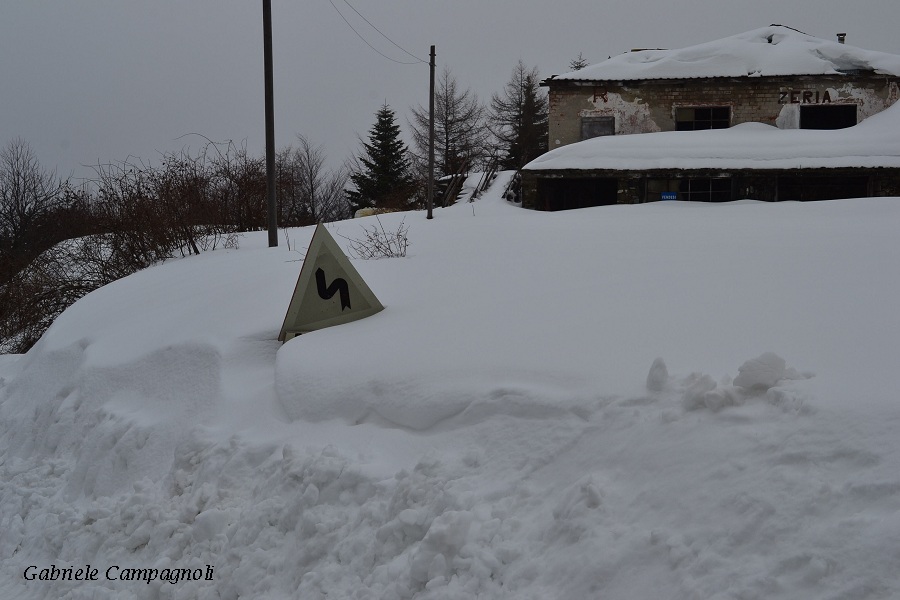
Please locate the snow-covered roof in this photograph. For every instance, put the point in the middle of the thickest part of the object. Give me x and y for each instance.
(769, 51)
(872, 143)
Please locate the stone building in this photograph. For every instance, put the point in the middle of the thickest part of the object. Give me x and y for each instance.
(776, 76)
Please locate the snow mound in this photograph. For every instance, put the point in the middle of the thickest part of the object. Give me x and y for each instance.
(493, 433)
(764, 376)
(115, 424)
(763, 372)
(871, 143)
(427, 398)
(658, 377)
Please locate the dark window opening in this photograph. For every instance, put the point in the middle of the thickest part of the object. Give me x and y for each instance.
(834, 116)
(705, 189)
(592, 127)
(583, 192)
(692, 189)
(661, 189)
(706, 117)
(810, 188)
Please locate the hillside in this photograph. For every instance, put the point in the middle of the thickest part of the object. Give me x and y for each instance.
(668, 400)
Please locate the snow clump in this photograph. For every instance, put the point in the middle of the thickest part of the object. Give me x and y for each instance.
(658, 377)
(766, 375)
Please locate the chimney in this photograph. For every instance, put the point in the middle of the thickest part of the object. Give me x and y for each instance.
(841, 37)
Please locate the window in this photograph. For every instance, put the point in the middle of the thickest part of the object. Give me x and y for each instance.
(661, 189)
(592, 127)
(805, 187)
(690, 189)
(692, 118)
(834, 116)
(577, 192)
(705, 189)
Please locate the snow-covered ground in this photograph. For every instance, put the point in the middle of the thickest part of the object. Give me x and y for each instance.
(671, 400)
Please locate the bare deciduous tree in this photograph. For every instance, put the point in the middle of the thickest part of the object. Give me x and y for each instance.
(240, 182)
(461, 135)
(309, 192)
(133, 215)
(29, 196)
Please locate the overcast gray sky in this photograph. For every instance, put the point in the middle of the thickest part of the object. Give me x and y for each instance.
(94, 81)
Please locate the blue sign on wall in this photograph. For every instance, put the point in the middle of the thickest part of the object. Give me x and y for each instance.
(668, 196)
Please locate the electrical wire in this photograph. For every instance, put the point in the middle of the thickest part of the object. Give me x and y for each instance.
(382, 33)
(418, 60)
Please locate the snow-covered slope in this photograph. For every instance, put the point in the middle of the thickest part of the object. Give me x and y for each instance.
(669, 400)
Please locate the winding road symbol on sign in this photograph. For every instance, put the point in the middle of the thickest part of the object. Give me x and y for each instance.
(326, 292)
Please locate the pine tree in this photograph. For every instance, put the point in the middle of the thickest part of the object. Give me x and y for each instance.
(382, 172)
(578, 63)
(519, 118)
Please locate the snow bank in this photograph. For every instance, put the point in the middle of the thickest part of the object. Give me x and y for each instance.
(494, 432)
(872, 143)
(765, 375)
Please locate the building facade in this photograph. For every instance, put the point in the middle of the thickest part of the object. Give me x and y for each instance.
(584, 109)
(776, 76)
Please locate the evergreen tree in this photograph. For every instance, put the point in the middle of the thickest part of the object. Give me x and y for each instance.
(578, 63)
(381, 175)
(519, 118)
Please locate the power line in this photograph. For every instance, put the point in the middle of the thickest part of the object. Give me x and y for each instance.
(382, 34)
(367, 42)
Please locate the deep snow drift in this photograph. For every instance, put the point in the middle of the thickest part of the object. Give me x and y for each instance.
(670, 400)
(873, 143)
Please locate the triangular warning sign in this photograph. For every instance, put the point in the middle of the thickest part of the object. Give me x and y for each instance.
(329, 290)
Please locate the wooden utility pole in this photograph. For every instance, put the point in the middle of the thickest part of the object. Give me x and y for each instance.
(431, 138)
(272, 204)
